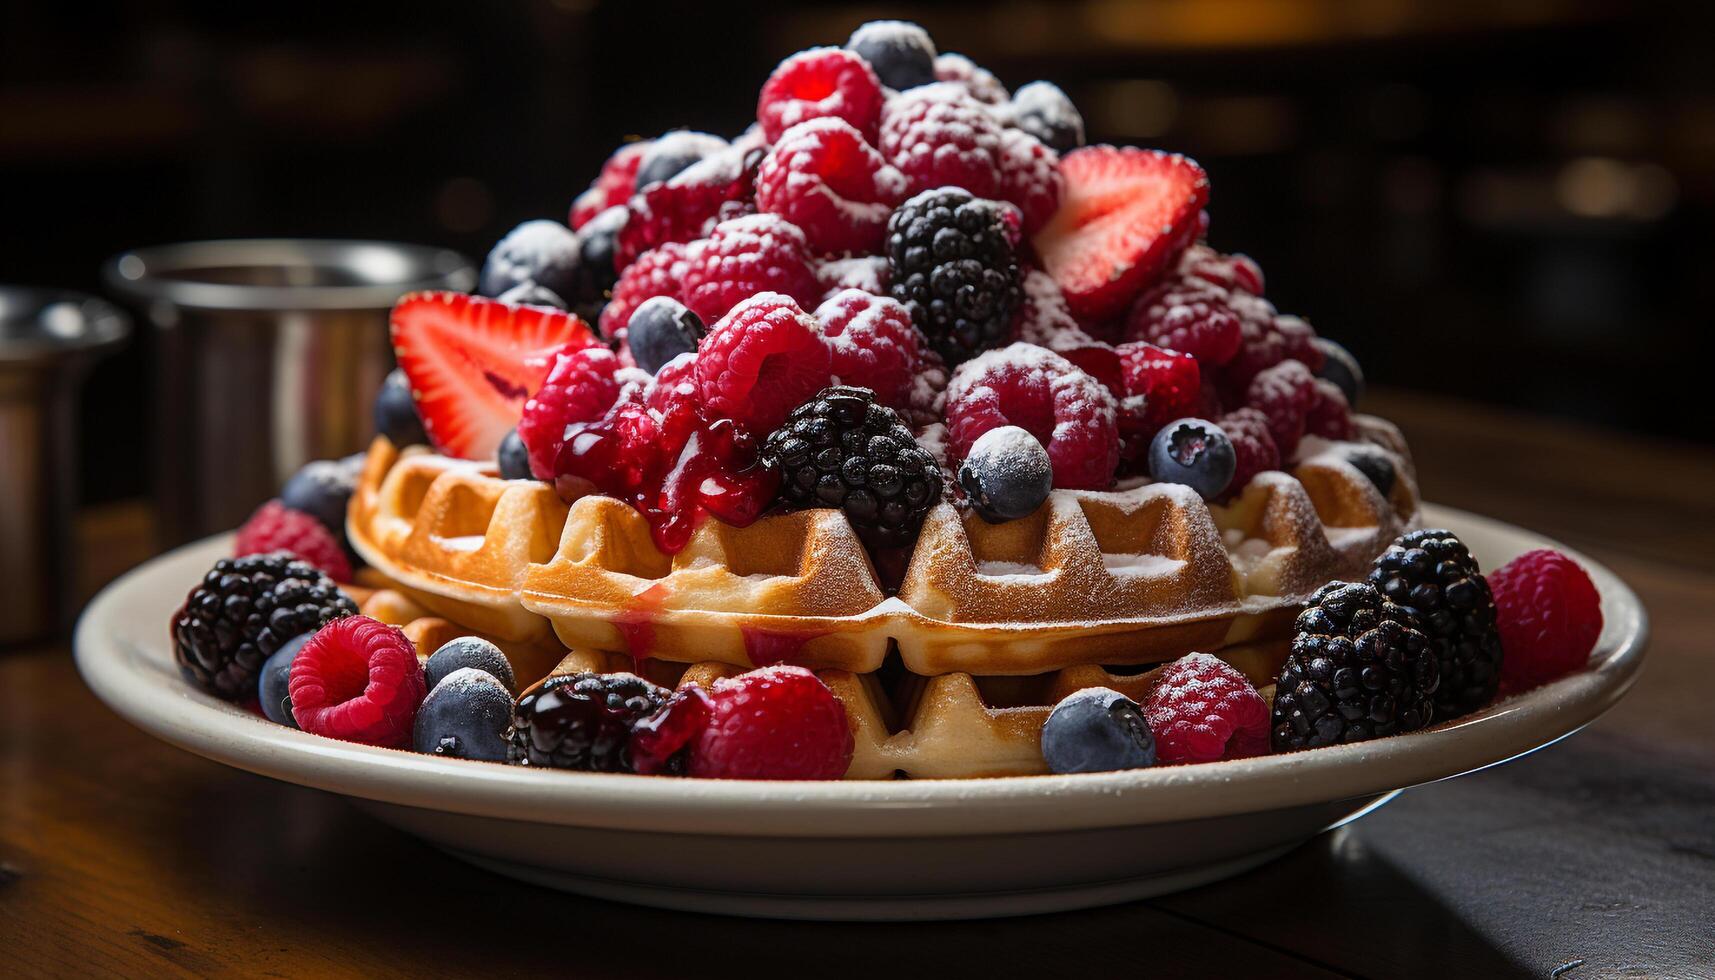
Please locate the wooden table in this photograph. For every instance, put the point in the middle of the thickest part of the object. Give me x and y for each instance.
(1593, 859)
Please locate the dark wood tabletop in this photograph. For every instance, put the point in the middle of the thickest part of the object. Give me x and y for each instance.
(1594, 858)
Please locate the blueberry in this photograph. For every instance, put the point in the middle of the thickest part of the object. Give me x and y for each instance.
(1044, 111)
(1097, 730)
(1006, 474)
(660, 329)
(396, 413)
(468, 651)
(322, 489)
(595, 247)
(543, 252)
(901, 52)
(1374, 463)
(670, 153)
(514, 459)
(273, 688)
(1340, 367)
(465, 716)
(532, 294)
(1195, 453)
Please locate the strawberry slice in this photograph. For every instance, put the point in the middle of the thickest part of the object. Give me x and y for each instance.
(472, 362)
(1124, 213)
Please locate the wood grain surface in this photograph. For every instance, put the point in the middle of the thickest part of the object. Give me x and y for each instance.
(1594, 858)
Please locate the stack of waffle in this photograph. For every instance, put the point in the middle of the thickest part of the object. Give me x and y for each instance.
(951, 673)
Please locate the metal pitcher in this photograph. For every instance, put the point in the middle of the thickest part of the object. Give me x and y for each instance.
(270, 354)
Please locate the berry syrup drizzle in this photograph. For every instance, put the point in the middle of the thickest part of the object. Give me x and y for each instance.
(675, 467)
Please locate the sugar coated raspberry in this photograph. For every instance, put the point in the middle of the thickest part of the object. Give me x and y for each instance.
(358, 680)
(1159, 386)
(825, 179)
(657, 272)
(1030, 178)
(762, 360)
(581, 386)
(817, 83)
(689, 205)
(973, 79)
(773, 723)
(612, 186)
(1330, 417)
(937, 141)
(870, 273)
(758, 253)
(1042, 314)
(1071, 413)
(276, 527)
(1226, 271)
(1248, 431)
(872, 344)
(1186, 315)
(1266, 339)
(1549, 614)
(1284, 393)
(1202, 710)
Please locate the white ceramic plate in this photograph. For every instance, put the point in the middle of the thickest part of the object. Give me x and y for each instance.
(851, 850)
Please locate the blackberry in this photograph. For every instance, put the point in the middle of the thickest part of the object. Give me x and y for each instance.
(582, 721)
(841, 449)
(245, 610)
(1359, 669)
(1433, 573)
(952, 265)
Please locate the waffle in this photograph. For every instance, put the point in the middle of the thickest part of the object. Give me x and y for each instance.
(951, 725)
(1131, 576)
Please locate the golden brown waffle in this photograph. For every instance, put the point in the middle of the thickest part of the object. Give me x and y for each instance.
(952, 726)
(1130, 576)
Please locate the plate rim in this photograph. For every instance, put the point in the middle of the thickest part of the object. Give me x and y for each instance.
(136, 679)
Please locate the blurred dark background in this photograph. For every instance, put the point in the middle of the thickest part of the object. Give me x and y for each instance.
(1506, 201)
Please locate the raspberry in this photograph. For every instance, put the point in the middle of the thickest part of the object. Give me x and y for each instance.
(612, 186)
(689, 205)
(657, 272)
(276, 527)
(1042, 317)
(1330, 416)
(673, 386)
(773, 723)
(1267, 338)
(762, 360)
(871, 343)
(1285, 393)
(1186, 315)
(1071, 413)
(758, 253)
(936, 142)
(975, 80)
(1549, 614)
(825, 179)
(1226, 271)
(869, 273)
(358, 680)
(1247, 429)
(1202, 710)
(1030, 177)
(580, 387)
(1159, 386)
(817, 83)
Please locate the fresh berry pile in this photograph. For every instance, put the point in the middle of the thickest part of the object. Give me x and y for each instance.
(895, 220)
